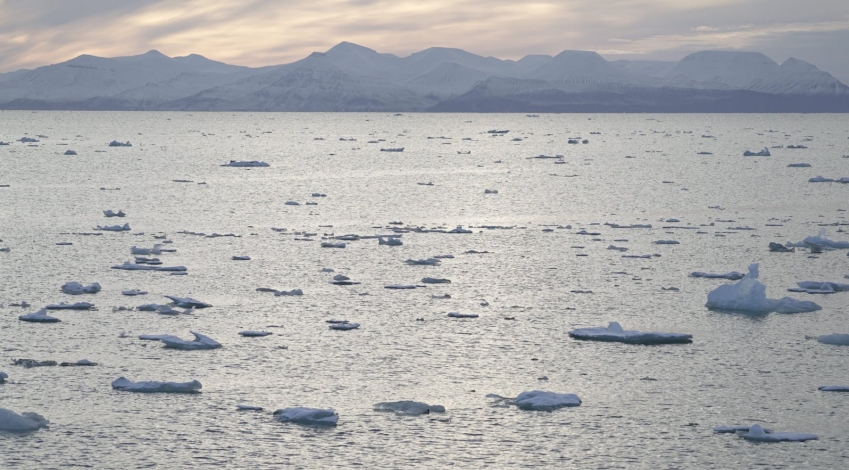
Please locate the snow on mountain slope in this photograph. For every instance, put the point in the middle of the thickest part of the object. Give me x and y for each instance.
(447, 79)
(797, 77)
(86, 76)
(529, 63)
(311, 84)
(735, 69)
(364, 61)
(422, 62)
(583, 68)
(649, 68)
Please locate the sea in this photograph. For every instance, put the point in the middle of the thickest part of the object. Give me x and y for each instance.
(532, 261)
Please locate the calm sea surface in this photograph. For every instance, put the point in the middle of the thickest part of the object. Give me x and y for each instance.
(643, 407)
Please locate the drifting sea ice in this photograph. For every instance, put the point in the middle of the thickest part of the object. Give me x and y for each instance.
(462, 315)
(307, 416)
(187, 302)
(837, 339)
(833, 388)
(246, 164)
(615, 333)
(406, 407)
(3, 377)
(75, 288)
(109, 213)
(764, 152)
(733, 275)
(423, 262)
(24, 422)
(255, 333)
(293, 292)
(128, 266)
(390, 241)
(734, 428)
(39, 317)
(114, 228)
(749, 295)
(248, 408)
(538, 400)
(820, 240)
(757, 433)
(200, 342)
(74, 306)
(133, 292)
(126, 385)
(344, 326)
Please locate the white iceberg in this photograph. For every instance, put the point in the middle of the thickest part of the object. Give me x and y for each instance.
(757, 433)
(200, 342)
(615, 333)
(114, 228)
(462, 315)
(109, 213)
(764, 152)
(459, 229)
(407, 407)
(820, 240)
(24, 422)
(733, 275)
(187, 302)
(390, 241)
(307, 416)
(538, 400)
(74, 306)
(39, 317)
(156, 250)
(246, 164)
(423, 262)
(254, 333)
(75, 288)
(837, 339)
(126, 385)
(749, 295)
(158, 337)
(833, 388)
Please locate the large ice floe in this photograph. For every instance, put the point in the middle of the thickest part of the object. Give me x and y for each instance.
(75, 288)
(759, 434)
(73, 306)
(615, 333)
(122, 383)
(833, 388)
(538, 400)
(200, 342)
(836, 339)
(749, 295)
(821, 240)
(24, 422)
(814, 287)
(307, 416)
(246, 164)
(40, 316)
(406, 407)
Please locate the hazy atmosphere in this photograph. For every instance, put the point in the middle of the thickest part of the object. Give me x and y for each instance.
(266, 32)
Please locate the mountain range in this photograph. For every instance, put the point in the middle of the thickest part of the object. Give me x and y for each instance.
(349, 77)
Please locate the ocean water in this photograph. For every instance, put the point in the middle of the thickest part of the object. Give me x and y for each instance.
(643, 406)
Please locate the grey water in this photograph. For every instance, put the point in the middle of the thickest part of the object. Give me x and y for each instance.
(643, 406)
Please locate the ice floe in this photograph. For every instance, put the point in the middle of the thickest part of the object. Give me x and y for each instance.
(3, 377)
(255, 333)
(733, 275)
(115, 143)
(435, 280)
(837, 339)
(615, 333)
(113, 228)
(757, 433)
(345, 325)
(73, 306)
(109, 213)
(406, 407)
(821, 240)
(39, 317)
(307, 416)
(128, 266)
(80, 363)
(122, 383)
(133, 292)
(390, 241)
(75, 288)
(332, 245)
(764, 152)
(248, 164)
(538, 400)
(734, 429)
(423, 262)
(248, 408)
(462, 315)
(200, 342)
(284, 293)
(187, 302)
(24, 422)
(749, 295)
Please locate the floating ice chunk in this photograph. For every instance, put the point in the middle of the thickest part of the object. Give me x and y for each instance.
(820, 240)
(462, 315)
(538, 400)
(435, 280)
(128, 266)
(200, 342)
(156, 250)
(733, 275)
(444, 296)
(734, 429)
(307, 416)
(423, 262)
(799, 165)
(187, 302)
(157, 337)
(133, 292)
(74, 306)
(444, 257)
(241, 258)
(109, 213)
(114, 228)
(749, 295)
(3, 377)
(75, 288)
(628, 226)
(122, 383)
(617, 248)
(249, 164)
(397, 149)
(248, 408)
(29, 363)
(80, 363)
(390, 241)
(400, 286)
(341, 277)
(407, 407)
(764, 152)
(490, 191)
(615, 333)
(291, 203)
(820, 179)
(332, 245)
(459, 229)
(344, 326)
(115, 143)
(757, 433)
(666, 242)
(148, 307)
(637, 256)
(293, 292)
(255, 333)
(779, 248)
(816, 287)
(24, 422)
(825, 388)
(837, 339)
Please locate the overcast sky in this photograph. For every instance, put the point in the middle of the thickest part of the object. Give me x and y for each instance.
(267, 32)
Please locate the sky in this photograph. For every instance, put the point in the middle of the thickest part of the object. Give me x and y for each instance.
(269, 32)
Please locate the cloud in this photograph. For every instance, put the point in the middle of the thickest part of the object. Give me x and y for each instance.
(265, 32)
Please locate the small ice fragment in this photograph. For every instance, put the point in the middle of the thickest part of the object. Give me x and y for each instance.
(407, 407)
(254, 333)
(462, 315)
(538, 400)
(307, 416)
(124, 384)
(75, 288)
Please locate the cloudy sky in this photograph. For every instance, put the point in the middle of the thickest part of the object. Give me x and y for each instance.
(266, 32)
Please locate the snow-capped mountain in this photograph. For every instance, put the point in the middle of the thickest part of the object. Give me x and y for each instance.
(349, 77)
